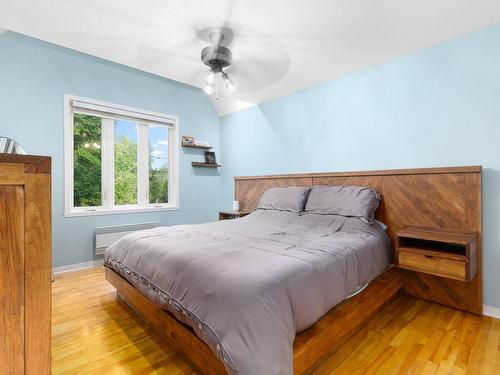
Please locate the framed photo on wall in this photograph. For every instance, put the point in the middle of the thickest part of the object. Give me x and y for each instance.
(187, 140)
(210, 157)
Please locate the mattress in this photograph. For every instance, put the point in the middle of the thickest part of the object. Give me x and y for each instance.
(248, 286)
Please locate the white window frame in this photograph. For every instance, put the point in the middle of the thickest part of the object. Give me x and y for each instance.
(109, 112)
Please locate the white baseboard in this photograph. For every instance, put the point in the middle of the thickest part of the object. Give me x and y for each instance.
(494, 312)
(77, 266)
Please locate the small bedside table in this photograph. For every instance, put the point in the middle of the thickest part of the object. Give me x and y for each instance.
(226, 215)
(440, 252)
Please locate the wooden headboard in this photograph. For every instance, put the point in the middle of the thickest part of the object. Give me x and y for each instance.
(431, 197)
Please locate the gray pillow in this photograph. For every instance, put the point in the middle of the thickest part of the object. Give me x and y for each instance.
(290, 198)
(344, 200)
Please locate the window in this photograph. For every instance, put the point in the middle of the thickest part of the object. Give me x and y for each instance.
(118, 159)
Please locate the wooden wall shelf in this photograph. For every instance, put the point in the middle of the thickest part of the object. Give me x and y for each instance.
(198, 146)
(205, 165)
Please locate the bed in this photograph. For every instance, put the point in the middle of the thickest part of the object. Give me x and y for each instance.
(258, 283)
(248, 286)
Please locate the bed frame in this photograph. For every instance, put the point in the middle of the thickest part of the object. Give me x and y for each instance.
(432, 197)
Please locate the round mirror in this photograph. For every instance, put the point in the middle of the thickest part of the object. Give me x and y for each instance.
(9, 146)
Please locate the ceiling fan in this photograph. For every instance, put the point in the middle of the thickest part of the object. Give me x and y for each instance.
(240, 61)
(217, 57)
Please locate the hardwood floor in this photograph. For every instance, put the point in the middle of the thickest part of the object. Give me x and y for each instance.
(94, 333)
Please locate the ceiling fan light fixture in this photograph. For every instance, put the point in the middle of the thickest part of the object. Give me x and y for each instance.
(230, 86)
(228, 82)
(211, 77)
(209, 89)
(217, 57)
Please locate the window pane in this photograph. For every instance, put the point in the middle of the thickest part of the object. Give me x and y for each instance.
(125, 162)
(87, 160)
(158, 164)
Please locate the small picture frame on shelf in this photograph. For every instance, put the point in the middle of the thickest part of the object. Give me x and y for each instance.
(210, 157)
(188, 140)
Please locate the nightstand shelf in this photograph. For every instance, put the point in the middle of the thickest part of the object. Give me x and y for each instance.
(227, 215)
(440, 252)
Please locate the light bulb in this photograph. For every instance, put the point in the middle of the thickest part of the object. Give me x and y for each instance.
(228, 82)
(230, 85)
(209, 89)
(211, 78)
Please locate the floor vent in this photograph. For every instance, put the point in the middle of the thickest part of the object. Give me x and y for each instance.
(106, 236)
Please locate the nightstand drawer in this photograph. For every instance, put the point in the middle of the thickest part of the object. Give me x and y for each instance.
(454, 269)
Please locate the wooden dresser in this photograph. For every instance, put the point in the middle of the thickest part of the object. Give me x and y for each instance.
(25, 264)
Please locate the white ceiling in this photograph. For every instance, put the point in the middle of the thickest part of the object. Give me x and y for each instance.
(279, 46)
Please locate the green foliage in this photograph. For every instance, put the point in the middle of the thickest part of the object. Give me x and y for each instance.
(87, 167)
(125, 171)
(87, 170)
(158, 185)
(158, 177)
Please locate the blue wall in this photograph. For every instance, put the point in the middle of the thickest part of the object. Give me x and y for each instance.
(437, 107)
(34, 76)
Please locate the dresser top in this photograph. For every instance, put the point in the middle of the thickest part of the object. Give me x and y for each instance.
(33, 164)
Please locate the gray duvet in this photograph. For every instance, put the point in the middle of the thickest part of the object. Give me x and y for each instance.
(247, 286)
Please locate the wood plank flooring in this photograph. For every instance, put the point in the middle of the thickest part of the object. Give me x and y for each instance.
(94, 333)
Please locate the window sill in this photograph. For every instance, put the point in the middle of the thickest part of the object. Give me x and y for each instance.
(118, 211)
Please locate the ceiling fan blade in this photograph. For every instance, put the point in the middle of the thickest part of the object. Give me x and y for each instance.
(252, 74)
(217, 36)
(259, 61)
(159, 60)
(173, 44)
(217, 32)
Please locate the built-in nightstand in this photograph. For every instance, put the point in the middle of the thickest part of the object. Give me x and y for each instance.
(436, 251)
(226, 215)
